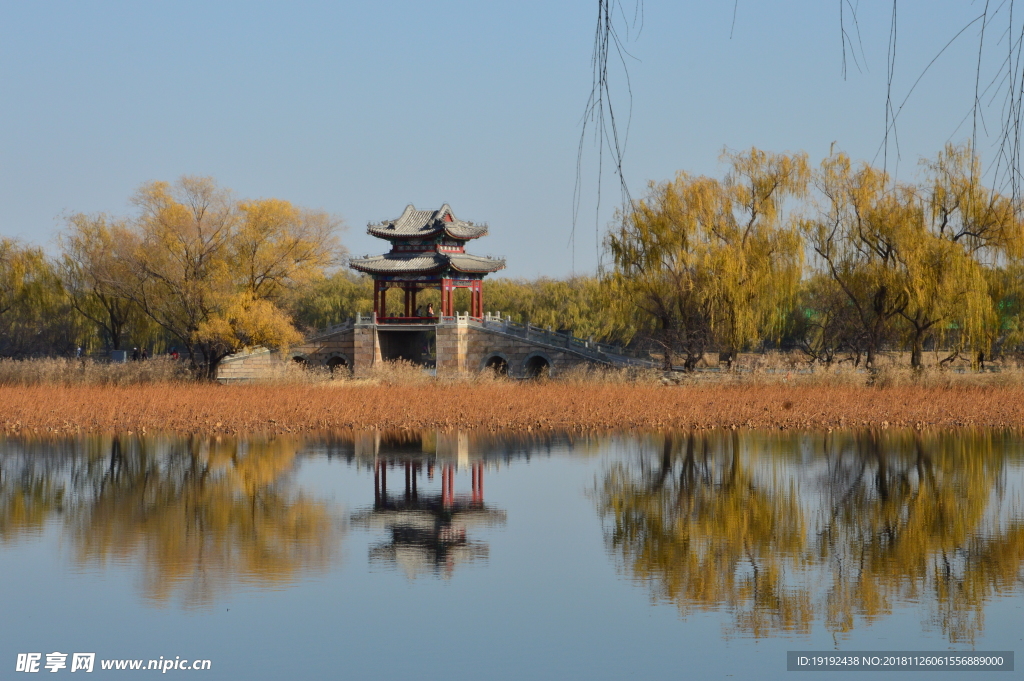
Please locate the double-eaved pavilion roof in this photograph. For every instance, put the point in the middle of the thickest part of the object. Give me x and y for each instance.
(422, 244)
(426, 263)
(419, 224)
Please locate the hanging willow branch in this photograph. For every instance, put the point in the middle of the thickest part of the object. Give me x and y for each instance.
(998, 85)
(599, 116)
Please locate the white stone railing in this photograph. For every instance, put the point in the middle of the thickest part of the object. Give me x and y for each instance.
(504, 324)
(530, 332)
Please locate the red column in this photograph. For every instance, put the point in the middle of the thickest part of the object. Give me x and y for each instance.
(446, 285)
(408, 300)
(383, 301)
(376, 297)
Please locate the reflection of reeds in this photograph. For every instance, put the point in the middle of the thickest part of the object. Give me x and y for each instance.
(199, 407)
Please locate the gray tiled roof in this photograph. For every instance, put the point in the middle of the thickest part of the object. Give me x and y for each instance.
(392, 263)
(464, 262)
(414, 223)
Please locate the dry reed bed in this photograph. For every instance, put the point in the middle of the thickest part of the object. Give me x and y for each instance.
(198, 407)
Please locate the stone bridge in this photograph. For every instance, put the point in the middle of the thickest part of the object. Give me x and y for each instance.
(452, 344)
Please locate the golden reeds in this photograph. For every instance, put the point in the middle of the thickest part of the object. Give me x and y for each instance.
(57, 371)
(498, 404)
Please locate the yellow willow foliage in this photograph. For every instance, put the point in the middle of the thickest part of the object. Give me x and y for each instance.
(179, 252)
(946, 289)
(246, 321)
(35, 316)
(858, 236)
(713, 258)
(330, 300)
(95, 277)
(577, 303)
(279, 246)
(898, 251)
(1006, 290)
(963, 211)
(26, 278)
(984, 226)
(213, 271)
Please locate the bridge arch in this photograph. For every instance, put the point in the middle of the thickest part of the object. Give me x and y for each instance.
(537, 365)
(496, 362)
(338, 361)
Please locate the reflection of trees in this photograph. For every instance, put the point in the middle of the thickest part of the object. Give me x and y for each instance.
(696, 526)
(199, 514)
(32, 488)
(736, 522)
(916, 518)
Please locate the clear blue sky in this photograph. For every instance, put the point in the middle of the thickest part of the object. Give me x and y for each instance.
(362, 107)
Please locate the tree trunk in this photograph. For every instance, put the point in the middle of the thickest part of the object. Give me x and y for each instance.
(916, 351)
(690, 363)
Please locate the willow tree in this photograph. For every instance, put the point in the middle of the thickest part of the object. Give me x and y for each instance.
(34, 315)
(213, 271)
(331, 299)
(576, 304)
(983, 226)
(863, 224)
(945, 289)
(94, 277)
(701, 263)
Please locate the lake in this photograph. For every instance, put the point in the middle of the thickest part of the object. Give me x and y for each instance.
(488, 556)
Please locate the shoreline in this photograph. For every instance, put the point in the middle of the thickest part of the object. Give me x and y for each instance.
(210, 408)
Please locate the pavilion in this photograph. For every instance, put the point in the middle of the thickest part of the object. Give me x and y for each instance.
(428, 250)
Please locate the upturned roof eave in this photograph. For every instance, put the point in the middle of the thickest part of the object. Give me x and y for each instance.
(385, 233)
(370, 269)
(440, 268)
(500, 265)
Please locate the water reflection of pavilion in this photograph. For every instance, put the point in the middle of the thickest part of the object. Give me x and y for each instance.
(429, 529)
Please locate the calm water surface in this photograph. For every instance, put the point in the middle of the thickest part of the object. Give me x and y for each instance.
(463, 556)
